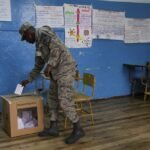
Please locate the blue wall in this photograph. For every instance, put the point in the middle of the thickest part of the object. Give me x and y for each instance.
(104, 58)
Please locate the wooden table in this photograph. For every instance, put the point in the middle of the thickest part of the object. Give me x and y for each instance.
(133, 67)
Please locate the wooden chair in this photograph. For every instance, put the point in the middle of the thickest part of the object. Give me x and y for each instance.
(147, 90)
(139, 83)
(146, 82)
(81, 98)
(136, 84)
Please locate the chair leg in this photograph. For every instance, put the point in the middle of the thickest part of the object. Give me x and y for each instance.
(91, 112)
(133, 88)
(145, 97)
(145, 92)
(83, 111)
(79, 107)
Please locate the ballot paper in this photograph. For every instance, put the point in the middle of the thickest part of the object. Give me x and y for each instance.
(19, 89)
(26, 120)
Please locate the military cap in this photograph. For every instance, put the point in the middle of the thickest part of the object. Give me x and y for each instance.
(24, 27)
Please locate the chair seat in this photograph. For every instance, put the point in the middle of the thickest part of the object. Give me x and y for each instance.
(148, 93)
(80, 97)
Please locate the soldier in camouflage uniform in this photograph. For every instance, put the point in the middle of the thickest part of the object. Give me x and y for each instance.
(60, 68)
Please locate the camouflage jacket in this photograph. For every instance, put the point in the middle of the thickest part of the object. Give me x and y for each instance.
(50, 50)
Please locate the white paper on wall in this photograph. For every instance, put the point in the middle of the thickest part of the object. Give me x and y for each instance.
(5, 10)
(108, 24)
(50, 15)
(78, 26)
(81, 41)
(137, 30)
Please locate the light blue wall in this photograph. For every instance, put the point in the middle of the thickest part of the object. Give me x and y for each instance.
(104, 58)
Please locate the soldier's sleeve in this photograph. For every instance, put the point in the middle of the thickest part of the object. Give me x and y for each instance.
(46, 36)
(39, 64)
(54, 57)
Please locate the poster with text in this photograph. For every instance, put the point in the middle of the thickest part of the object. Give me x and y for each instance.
(108, 24)
(137, 30)
(49, 15)
(5, 10)
(78, 26)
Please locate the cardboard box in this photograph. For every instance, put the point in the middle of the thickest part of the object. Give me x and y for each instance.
(22, 115)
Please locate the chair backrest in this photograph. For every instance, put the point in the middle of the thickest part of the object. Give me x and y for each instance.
(89, 80)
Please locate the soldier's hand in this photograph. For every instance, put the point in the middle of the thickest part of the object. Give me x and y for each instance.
(24, 82)
(47, 70)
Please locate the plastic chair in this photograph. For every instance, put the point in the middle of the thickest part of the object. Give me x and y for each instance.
(81, 98)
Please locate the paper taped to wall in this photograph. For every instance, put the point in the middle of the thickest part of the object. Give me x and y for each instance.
(19, 89)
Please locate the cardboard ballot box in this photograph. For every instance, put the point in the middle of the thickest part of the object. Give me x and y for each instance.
(22, 115)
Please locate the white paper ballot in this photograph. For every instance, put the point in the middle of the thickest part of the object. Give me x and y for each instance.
(19, 89)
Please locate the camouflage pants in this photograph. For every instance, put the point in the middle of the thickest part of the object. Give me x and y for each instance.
(60, 95)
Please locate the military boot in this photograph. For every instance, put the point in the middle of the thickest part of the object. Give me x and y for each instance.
(76, 134)
(51, 131)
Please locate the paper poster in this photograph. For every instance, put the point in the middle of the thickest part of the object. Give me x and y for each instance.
(78, 26)
(5, 10)
(108, 24)
(137, 30)
(49, 15)
(75, 40)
